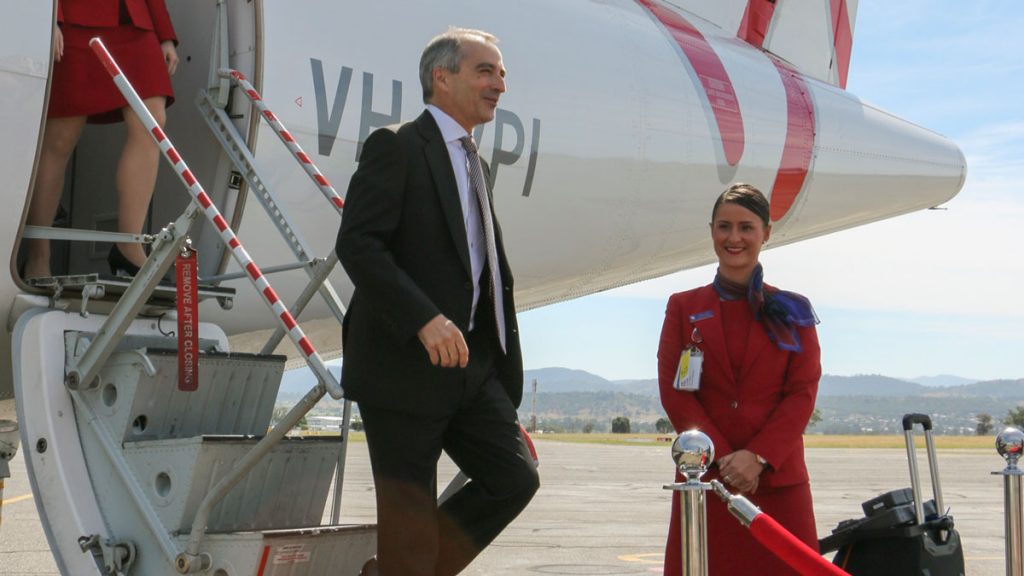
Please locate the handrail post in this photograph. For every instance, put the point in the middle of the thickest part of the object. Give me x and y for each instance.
(339, 480)
(1010, 445)
(693, 452)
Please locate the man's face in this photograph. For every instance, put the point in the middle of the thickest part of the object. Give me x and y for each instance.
(471, 95)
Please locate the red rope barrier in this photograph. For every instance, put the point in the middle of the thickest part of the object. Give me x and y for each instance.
(529, 444)
(790, 550)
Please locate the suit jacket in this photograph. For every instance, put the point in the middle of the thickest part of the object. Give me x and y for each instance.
(403, 244)
(764, 410)
(145, 14)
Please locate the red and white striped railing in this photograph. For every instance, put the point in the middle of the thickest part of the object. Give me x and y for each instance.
(284, 317)
(289, 141)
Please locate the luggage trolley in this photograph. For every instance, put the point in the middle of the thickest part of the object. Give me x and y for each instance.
(900, 534)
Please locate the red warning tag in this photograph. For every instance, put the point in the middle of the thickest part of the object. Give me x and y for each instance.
(188, 318)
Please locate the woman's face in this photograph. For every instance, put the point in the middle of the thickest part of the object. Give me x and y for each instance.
(738, 235)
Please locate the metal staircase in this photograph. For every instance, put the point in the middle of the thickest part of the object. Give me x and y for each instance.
(191, 481)
(165, 449)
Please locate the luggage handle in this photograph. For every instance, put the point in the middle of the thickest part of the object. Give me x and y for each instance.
(910, 419)
(933, 465)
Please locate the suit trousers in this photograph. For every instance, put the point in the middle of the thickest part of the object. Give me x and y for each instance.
(481, 435)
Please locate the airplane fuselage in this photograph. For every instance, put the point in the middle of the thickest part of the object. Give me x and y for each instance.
(621, 124)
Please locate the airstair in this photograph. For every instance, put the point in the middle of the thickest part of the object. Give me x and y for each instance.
(139, 473)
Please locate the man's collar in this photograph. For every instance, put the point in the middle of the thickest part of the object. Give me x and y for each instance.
(450, 129)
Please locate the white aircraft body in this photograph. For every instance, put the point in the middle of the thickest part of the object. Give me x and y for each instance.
(623, 120)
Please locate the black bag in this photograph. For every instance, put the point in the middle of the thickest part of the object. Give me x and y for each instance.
(900, 535)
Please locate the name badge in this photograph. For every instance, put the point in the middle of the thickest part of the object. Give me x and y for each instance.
(688, 374)
(701, 316)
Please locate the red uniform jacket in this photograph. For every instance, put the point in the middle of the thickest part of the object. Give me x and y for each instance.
(145, 14)
(764, 410)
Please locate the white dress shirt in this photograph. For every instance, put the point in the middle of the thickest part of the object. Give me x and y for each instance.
(451, 131)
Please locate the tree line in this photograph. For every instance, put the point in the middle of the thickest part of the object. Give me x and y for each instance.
(986, 424)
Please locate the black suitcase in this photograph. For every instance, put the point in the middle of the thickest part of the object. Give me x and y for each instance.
(900, 535)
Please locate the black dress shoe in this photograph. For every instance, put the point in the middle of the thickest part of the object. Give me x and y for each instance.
(119, 265)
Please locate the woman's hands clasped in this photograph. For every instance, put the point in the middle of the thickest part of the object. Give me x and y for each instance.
(741, 470)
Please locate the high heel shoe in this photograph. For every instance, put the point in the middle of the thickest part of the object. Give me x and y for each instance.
(119, 265)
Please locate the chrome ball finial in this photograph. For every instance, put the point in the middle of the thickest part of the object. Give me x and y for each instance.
(693, 452)
(1010, 445)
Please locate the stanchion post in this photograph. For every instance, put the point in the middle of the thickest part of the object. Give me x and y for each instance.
(692, 453)
(1010, 445)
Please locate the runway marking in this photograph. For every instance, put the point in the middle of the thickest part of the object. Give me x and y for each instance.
(15, 499)
(649, 558)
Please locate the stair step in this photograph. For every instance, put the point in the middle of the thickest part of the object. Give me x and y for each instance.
(113, 287)
(235, 396)
(338, 550)
(287, 489)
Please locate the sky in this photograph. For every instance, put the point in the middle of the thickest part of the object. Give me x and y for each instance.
(930, 293)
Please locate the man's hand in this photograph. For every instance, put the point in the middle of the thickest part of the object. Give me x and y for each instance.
(741, 470)
(444, 343)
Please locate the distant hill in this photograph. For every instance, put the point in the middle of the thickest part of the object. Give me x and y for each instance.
(867, 385)
(557, 380)
(570, 400)
(562, 380)
(997, 388)
(943, 380)
(874, 385)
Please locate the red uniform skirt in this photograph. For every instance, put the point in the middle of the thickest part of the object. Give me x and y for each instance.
(82, 87)
(732, 551)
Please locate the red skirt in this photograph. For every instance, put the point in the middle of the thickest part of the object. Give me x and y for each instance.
(82, 87)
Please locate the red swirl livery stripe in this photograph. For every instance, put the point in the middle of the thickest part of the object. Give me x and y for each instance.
(842, 37)
(799, 147)
(756, 18)
(713, 77)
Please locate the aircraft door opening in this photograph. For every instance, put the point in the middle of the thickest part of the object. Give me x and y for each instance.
(89, 200)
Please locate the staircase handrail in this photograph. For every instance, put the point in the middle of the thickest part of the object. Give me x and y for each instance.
(286, 137)
(228, 236)
(191, 560)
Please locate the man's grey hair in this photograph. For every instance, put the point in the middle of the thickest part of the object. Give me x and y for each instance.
(445, 51)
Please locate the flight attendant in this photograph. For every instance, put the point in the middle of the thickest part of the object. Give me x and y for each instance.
(753, 393)
(139, 34)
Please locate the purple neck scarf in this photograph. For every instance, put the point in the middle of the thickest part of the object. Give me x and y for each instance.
(779, 311)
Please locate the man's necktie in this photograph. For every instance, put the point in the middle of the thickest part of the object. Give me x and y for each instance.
(476, 180)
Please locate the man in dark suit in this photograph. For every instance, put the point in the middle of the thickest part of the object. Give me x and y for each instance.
(432, 350)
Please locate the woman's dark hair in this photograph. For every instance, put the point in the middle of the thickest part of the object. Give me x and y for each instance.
(746, 196)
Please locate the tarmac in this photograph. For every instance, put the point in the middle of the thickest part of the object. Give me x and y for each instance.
(602, 509)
